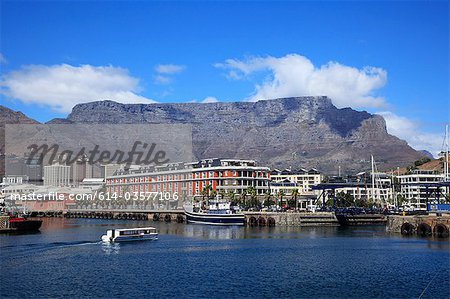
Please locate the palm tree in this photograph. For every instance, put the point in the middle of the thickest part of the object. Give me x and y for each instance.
(252, 191)
(267, 202)
(206, 191)
(294, 195)
(281, 194)
(244, 198)
(222, 194)
(232, 197)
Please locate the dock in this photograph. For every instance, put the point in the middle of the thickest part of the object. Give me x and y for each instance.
(253, 219)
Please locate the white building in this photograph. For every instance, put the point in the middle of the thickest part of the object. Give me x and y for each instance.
(57, 175)
(376, 187)
(14, 180)
(288, 180)
(413, 187)
(92, 183)
(109, 169)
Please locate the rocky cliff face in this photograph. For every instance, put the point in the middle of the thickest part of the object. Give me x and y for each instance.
(8, 116)
(303, 131)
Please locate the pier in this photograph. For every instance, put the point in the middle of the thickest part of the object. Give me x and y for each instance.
(155, 215)
(252, 219)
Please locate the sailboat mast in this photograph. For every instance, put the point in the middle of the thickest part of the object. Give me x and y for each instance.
(373, 177)
(446, 176)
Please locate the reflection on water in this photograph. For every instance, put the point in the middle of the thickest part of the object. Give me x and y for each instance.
(110, 248)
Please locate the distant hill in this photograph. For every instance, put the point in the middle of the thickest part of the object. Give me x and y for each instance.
(427, 154)
(433, 164)
(8, 116)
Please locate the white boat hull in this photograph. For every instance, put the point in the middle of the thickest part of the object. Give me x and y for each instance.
(215, 219)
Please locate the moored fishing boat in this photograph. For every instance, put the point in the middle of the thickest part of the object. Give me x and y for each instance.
(22, 224)
(218, 213)
(15, 222)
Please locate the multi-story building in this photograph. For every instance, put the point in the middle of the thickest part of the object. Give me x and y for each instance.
(57, 175)
(187, 180)
(14, 180)
(109, 169)
(417, 187)
(365, 186)
(287, 180)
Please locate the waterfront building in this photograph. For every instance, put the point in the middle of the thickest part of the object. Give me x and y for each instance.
(188, 180)
(284, 182)
(57, 175)
(92, 183)
(301, 179)
(83, 169)
(368, 186)
(7, 191)
(413, 187)
(364, 186)
(109, 169)
(14, 180)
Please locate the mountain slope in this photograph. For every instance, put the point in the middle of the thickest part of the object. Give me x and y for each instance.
(8, 116)
(303, 131)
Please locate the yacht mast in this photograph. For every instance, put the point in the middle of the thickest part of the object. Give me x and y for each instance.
(446, 176)
(373, 178)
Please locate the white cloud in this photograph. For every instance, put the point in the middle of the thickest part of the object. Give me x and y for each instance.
(210, 100)
(205, 100)
(2, 59)
(164, 72)
(62, 86)
(169, 68)
(295, 75)
(410, 132)
(160, 79)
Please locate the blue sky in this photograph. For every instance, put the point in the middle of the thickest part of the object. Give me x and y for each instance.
(385, 57)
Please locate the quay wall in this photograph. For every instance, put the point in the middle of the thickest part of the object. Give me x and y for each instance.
(291, 219)
(422, 225)
(252, 218)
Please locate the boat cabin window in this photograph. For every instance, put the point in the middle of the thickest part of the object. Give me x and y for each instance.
(136, 232)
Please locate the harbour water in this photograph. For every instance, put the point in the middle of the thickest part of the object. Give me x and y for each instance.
(66, 259)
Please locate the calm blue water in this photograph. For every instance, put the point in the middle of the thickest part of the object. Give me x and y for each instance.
(66, 260)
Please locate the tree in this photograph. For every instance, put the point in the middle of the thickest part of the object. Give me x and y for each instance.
(294, 195)
(401, 200)
(222, 194)
(232, 197)
(344, 199)
(206, 191)
(268, 202)
(253, 196)
(281, 194)
(244, 198)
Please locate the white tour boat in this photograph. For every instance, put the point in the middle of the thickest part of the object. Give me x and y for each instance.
(130, 234)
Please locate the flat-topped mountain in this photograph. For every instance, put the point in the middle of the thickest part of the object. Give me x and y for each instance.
(301, 131)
